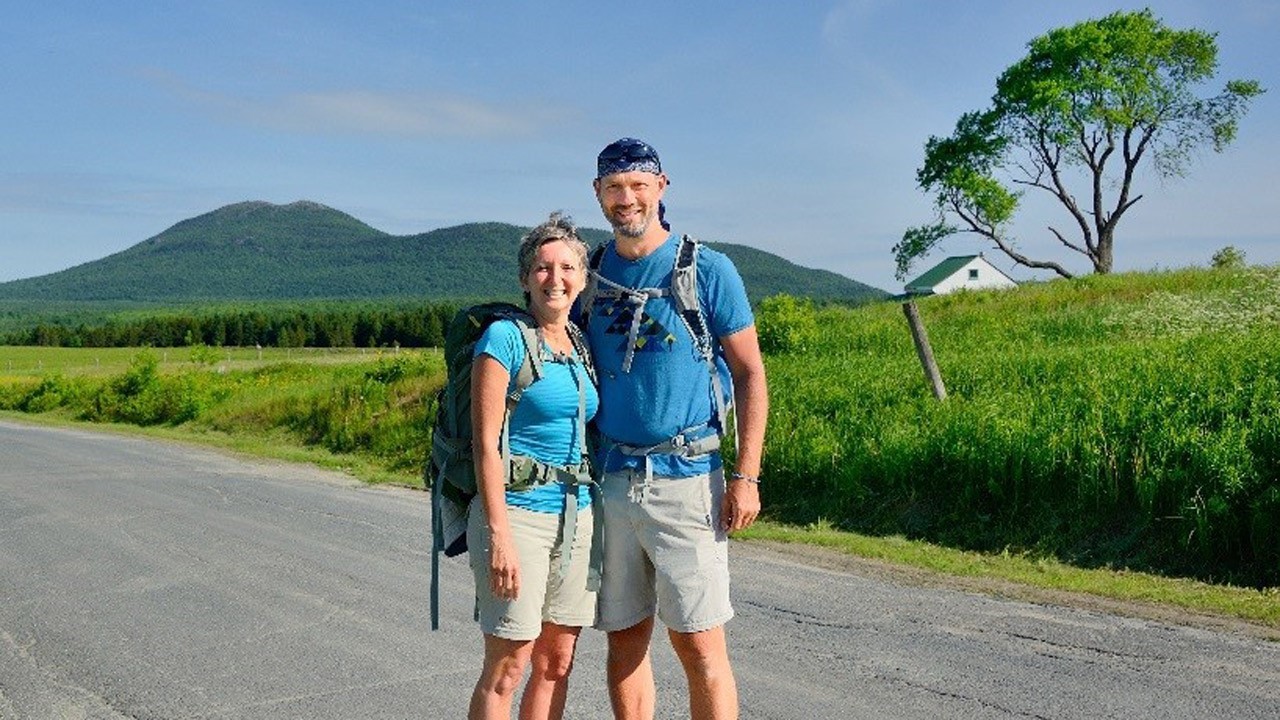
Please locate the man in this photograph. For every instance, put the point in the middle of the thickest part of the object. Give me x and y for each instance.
(666, 503)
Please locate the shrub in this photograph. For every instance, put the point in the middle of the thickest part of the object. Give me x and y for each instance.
(141, 396)
(787, 324)
(1228, 258)
(52, 392)
(380, 411)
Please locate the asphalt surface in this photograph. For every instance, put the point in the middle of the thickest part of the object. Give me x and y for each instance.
(143, 579)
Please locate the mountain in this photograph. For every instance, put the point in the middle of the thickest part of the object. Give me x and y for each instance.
(304, 250)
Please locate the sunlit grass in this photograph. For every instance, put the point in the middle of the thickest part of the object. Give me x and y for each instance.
(25, 361)
(1078, 425)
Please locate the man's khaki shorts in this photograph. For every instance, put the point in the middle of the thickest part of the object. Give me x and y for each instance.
(664, 549)
(545, 595)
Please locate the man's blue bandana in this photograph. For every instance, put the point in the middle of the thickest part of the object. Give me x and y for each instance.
(627, 155)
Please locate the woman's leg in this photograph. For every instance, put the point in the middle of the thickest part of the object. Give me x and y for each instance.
(544, 694)
(505, 660)
(504, 664)
(548, 683)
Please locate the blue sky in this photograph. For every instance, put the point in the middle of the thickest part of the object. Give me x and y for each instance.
(793, 127)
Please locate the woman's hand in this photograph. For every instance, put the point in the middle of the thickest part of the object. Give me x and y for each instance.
(504, 568)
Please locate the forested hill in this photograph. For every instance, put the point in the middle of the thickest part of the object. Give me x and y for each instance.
(304, 250)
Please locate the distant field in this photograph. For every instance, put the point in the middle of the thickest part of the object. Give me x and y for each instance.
(19, 362)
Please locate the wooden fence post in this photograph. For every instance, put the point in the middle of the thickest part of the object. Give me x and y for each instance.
(925, 352)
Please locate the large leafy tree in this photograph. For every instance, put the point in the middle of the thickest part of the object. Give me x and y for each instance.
(1086, 107)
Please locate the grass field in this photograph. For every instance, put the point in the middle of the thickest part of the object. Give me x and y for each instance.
(1125, 421)
(30, 362)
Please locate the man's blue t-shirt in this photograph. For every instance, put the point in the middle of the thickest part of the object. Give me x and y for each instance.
(544, 425)
(668, 388)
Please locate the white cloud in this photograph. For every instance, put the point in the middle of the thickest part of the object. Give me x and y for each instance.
(365, 112)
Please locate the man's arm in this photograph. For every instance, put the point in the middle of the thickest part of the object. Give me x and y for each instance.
(751, 400)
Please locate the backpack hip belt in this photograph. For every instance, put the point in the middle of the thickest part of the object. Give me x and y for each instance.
(527, 472)
(692, 442)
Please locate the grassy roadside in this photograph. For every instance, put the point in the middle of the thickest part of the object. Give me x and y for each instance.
(1134, 593)
(266, 446)
(1036, 579)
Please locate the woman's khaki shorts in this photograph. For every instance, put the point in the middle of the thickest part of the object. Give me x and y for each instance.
(544, 594)
(664, 549)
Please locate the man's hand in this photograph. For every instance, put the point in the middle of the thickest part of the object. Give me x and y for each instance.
(741, 505)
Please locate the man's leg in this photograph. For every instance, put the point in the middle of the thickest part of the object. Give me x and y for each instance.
(627, 600)
(713, 692)
(692, 580)
(630, 672)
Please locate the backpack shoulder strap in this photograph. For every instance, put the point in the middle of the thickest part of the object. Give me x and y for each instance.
(588, 295)
(531, 365)
(684, 291)
(583, 350)
(597, 256)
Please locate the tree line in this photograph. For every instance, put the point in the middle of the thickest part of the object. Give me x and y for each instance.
(413, 326)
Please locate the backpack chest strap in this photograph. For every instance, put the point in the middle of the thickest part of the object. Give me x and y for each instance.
(635, 299)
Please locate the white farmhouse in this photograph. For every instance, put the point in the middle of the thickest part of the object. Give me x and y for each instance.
(962, 272)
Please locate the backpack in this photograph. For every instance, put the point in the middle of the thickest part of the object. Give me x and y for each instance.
(684, 294)
(450, 470)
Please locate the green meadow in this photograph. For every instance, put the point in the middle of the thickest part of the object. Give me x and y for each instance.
(1126, 421)
(1124, 425)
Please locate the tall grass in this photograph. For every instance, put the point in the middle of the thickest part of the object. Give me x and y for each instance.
(1127, 421)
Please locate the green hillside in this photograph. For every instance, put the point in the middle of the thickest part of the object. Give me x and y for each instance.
(304, 250)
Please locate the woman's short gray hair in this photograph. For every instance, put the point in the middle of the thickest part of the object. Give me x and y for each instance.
(557, 227)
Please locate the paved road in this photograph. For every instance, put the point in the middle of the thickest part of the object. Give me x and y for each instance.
(141, 579)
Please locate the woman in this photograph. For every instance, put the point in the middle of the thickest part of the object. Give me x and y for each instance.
(532, 600)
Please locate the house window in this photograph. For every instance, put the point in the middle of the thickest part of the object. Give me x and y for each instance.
(973, 273)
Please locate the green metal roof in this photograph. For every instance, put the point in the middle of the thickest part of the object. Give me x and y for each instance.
(940, 272)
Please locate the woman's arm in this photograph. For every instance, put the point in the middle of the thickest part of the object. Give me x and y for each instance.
(489, 381)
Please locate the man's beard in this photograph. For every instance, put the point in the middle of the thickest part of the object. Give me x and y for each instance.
(634, 230)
